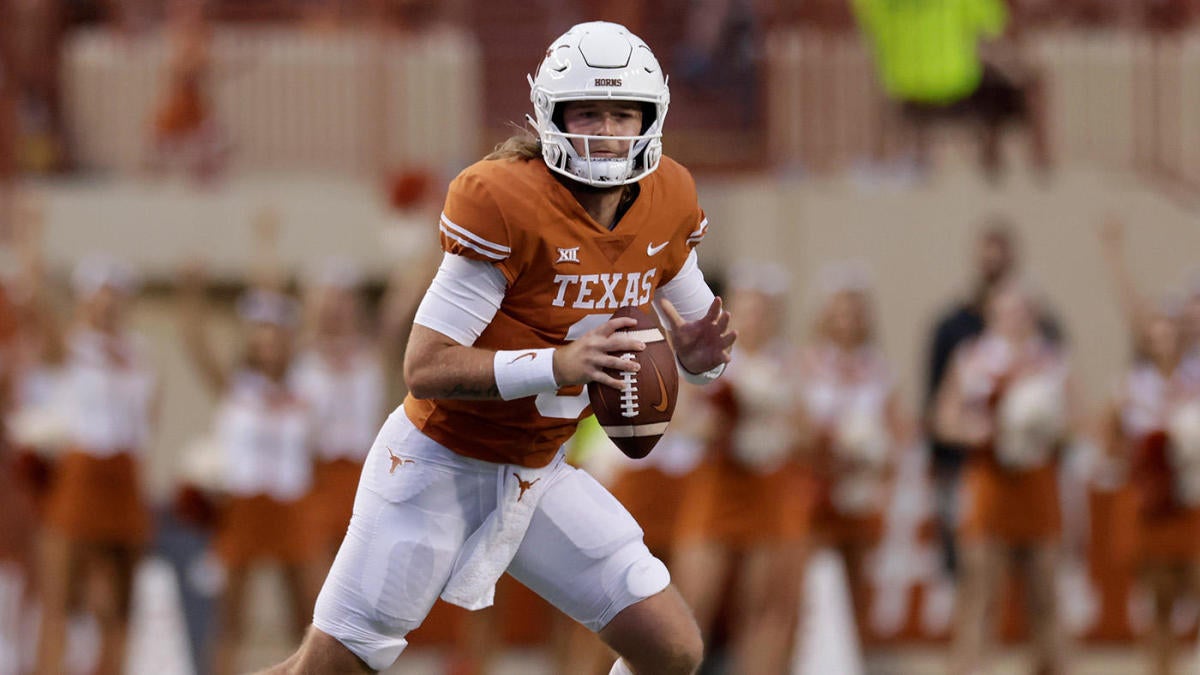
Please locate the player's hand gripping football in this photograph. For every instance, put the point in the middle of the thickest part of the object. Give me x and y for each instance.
(703, 344)
(585, 360)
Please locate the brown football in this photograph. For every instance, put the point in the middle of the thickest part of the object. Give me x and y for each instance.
(636, 417)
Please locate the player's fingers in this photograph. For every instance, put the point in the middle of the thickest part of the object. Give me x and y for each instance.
(714, 310)
(618, 363)
(722, 321)
(613, 325)
(609, 381)
(671, 313)
(621, 342)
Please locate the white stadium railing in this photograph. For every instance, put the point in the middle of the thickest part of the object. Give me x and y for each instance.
(288, 98)
(1115, 98)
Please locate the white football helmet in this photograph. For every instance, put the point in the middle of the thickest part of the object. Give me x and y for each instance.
(599, 61)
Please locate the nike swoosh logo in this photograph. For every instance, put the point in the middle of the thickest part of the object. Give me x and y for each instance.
(531, 355)
(651, 249)
(662, 391)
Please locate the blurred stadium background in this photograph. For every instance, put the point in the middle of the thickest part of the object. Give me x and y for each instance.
(347, 118)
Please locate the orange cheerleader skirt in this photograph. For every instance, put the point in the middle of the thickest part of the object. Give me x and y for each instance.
(729, 504)
(260, 528)
(331, 501)
(652, 498)
(1164, 530)
(845, 529)
(98, 500)
(1014, 507)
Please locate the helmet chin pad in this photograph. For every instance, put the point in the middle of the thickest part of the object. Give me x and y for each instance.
(614, 170)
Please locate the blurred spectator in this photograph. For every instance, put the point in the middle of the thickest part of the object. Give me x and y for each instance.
(720, 51)
(857, 424)
(1008, 401)
(831, 16)
(411, 16)
(18, 513)
(928, 59)
(31, 32)
(1169, 16)
(996, 258)
(8, 127)
(746, 512)
(1152, 436)
(185, 133)
(628, 13)
(34, 356)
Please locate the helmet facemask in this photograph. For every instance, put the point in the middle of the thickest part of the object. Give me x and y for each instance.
(561, 155)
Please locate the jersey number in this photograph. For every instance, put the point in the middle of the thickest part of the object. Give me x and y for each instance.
(549, 403)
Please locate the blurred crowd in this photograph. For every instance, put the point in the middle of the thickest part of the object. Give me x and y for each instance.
(716, 53)
(807, 446)
(274, 479)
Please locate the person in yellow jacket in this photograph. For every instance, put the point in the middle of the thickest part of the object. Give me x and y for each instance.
(928, 61)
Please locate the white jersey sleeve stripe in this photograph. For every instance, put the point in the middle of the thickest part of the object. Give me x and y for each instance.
(473, 247)
(449, 225)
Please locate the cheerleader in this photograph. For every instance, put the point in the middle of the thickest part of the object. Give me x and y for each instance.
(746, 510)
(262, 429)
(18, 519)
(340, 374)
(32, 359)
(1007, 399)
(95, 520)
(1153, 435)
(855, 423)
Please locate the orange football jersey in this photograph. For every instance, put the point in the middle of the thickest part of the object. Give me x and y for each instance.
(566, 275)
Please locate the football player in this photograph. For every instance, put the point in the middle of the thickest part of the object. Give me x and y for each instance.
(543, 240)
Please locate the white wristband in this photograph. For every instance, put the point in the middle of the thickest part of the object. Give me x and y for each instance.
(524, 372)
(704, 378)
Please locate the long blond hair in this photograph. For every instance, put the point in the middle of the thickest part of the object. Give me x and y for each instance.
(522, 146)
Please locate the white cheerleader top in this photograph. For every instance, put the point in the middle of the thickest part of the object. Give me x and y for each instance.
(105, 392)
(263, 428)
(344, 399)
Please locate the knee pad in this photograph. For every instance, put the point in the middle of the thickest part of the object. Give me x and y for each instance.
(630, 575)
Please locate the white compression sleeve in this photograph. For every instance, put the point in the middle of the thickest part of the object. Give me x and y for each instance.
(691, 297)
(463, 298)
(687, 290)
